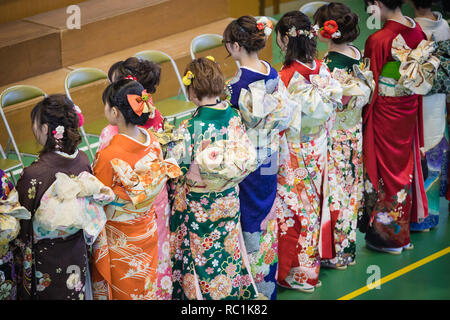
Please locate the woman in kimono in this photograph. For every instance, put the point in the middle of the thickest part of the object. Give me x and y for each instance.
(126, 252)
(208, 253)
(11, 212)
(403, 67)
(51, 264)
(345, 170)
(304, 232)
(255, 79)
(148, 74)
(434, 118)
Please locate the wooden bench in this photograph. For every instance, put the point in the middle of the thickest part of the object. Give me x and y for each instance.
(27, 49)
(112, 25)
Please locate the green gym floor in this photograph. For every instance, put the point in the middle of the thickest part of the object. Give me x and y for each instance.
(422, 273)
(428, 281)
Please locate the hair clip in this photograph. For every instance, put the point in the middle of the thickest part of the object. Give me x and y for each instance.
(211, 58)
(141, 104)
(187, 79)
(130, 77)
(293, 32)
(265, 24)
(330, 30)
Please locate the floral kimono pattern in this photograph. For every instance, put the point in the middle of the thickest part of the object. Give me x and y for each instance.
(10, 214)
(208, 252)
(302, 172)
(403, 67)
(345, 167)
(164, 133)
(126, 252)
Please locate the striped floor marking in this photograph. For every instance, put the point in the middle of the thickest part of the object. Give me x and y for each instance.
(396, 274)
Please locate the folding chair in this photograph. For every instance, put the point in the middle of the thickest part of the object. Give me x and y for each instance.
(205, 42)
(11, 96)
(171, 109)
(80, 77)
(310, 8)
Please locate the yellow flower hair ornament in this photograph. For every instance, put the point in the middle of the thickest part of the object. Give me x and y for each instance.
(211, 58)
(187, 79)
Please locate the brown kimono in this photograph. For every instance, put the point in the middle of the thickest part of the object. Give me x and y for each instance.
(49, 268)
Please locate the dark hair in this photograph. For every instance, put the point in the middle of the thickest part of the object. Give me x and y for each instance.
(208, 78)
(302, 47)
(245, 32)
(346, 19)
(58, 110)
(390, 4)
(116, 96)
(146, 72)
(424, 4)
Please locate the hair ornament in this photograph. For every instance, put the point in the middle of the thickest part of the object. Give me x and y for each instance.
(330, 30)
(265, 24)
(293, 32)
(187, 79)
(130, 77)
(141, 104)
(58, 133)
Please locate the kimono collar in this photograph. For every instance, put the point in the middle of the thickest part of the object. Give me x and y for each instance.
(396, 26)
(66, 155)
(428, 24)
(129, 144)
(256, 71)
(210, 113)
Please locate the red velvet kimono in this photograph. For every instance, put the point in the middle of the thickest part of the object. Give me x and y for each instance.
(392, 136)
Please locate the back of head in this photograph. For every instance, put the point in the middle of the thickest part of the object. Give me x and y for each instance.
(301, 46)
(346, 20)
(206, 79)
(245, 32)
(146, 72)
(116, 95)
(57, 110)
(422, 4)
(390, 4)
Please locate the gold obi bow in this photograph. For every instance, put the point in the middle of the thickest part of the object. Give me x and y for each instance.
(418, 67)
(146, 180)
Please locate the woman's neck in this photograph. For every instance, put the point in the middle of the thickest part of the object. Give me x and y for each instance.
(251, 60)
(131, 131)
(209, 101)
(425, 13)
(343, 48)
(398, 16)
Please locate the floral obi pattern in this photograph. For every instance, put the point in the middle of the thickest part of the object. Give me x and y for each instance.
(72, 204)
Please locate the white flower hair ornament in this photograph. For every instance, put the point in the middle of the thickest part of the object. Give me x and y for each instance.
(265, 24)
(58, 133)
(293, 32)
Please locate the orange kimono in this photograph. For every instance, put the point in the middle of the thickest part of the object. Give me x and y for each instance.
(125, 255)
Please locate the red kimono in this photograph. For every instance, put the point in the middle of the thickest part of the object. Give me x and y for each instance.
(392, 136)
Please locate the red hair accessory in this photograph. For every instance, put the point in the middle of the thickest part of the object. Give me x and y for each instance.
(330, 30)
(129, 77)
(141, 104)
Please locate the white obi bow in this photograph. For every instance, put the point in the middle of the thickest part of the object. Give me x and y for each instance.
(359, 85)
(317, 97)
(71, 204)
